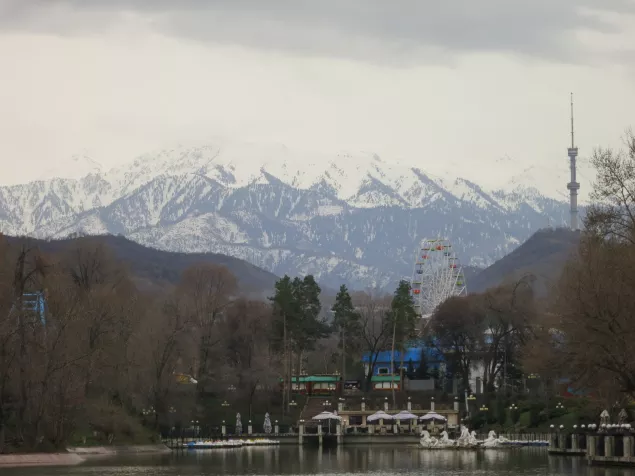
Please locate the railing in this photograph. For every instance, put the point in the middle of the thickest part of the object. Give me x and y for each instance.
(525, 436)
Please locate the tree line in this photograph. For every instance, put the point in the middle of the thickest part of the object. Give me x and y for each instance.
(107, 356)
(580, 335)
(587, 329)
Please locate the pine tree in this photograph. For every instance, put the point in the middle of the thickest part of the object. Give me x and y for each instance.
(345, 320)
(297, 324)
(403, 318)
(410, 370)
(422, 369)
(286, 311)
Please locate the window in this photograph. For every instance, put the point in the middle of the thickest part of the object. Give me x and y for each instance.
(355, 420)
(385, 385)
(382, 370)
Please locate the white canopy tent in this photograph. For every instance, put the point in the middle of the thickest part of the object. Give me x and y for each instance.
(380, 415)
(405, 415)
(432, 416)
(327, 416)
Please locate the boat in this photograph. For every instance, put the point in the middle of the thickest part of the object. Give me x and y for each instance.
(213, 444)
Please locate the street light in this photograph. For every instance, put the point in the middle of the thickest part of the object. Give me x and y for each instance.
(471, 398)
(559, 406)
(484, 408)
(224, 404)
(292, 403)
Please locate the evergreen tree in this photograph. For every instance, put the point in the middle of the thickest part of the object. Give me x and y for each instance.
(346, 321)
(308, 326)
(297, 325)
(501, 412)
(403, 318)
(422, 369)
(410, 370)
(286, 311)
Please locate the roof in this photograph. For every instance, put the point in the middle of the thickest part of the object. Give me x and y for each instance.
(317, 378)
(385, 378)
(412, 353)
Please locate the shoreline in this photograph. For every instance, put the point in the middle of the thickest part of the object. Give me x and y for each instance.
(77, 455)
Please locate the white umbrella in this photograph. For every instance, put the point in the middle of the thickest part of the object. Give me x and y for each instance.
(405, 415)
(380, 415)
(433, 416)
(327, 416)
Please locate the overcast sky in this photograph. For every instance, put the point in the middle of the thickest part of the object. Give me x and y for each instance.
(414, 80)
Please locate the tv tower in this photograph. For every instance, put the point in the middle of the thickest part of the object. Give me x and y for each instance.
(573, 186)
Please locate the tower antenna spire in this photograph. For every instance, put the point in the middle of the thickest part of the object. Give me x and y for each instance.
(572, 139)
(573, 186)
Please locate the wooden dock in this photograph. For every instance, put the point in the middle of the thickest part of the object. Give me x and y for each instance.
(616, 448)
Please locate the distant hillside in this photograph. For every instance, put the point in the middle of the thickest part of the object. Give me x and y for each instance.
(543, 255)
(471, 273)
(152, 267)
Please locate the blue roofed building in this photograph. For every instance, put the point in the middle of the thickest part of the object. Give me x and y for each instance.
(383, 376)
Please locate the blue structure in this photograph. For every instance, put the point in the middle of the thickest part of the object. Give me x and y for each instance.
(412, 354)
(36, 303)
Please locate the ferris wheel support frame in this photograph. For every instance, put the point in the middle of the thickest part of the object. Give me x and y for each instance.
(437, 275)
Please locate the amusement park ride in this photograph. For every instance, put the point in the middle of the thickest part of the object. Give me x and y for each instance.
(33, 304)
(437, 275)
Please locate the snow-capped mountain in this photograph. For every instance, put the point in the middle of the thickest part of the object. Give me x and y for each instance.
(346, 218)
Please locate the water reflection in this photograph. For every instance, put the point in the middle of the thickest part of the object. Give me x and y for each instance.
(287, 460)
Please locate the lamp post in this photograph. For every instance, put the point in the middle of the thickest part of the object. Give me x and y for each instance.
(513, 409)
(470, 400)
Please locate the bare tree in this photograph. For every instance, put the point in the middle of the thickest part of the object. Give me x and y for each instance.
(456, 328)
(248, 354)
(509, 313)
(207, 291)
(375, 327)
(613, 214)
(160, 343)
(593, 329)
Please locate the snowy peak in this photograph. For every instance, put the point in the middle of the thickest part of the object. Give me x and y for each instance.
(77, 167)
(362, 179)
(348, 217)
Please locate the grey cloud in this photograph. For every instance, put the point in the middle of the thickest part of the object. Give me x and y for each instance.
(377, 30)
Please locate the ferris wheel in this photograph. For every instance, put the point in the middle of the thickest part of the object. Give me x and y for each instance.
(437, 275)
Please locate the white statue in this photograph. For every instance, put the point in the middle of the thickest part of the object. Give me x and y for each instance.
(492, 441)
(445, 441)
(426, 441)
(464, 439)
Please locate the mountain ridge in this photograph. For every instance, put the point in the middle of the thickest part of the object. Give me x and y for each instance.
(357, 220)
(156, 268)
(542, 256)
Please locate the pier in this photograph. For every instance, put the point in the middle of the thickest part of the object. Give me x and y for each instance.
(599, 448)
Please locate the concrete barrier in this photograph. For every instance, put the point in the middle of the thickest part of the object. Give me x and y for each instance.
(118, 450)
(41, 459)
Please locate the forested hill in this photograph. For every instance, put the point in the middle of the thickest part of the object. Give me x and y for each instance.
(151, 267)
(542, 255)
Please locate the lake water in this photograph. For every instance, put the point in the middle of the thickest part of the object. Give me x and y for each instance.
(293, 460)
